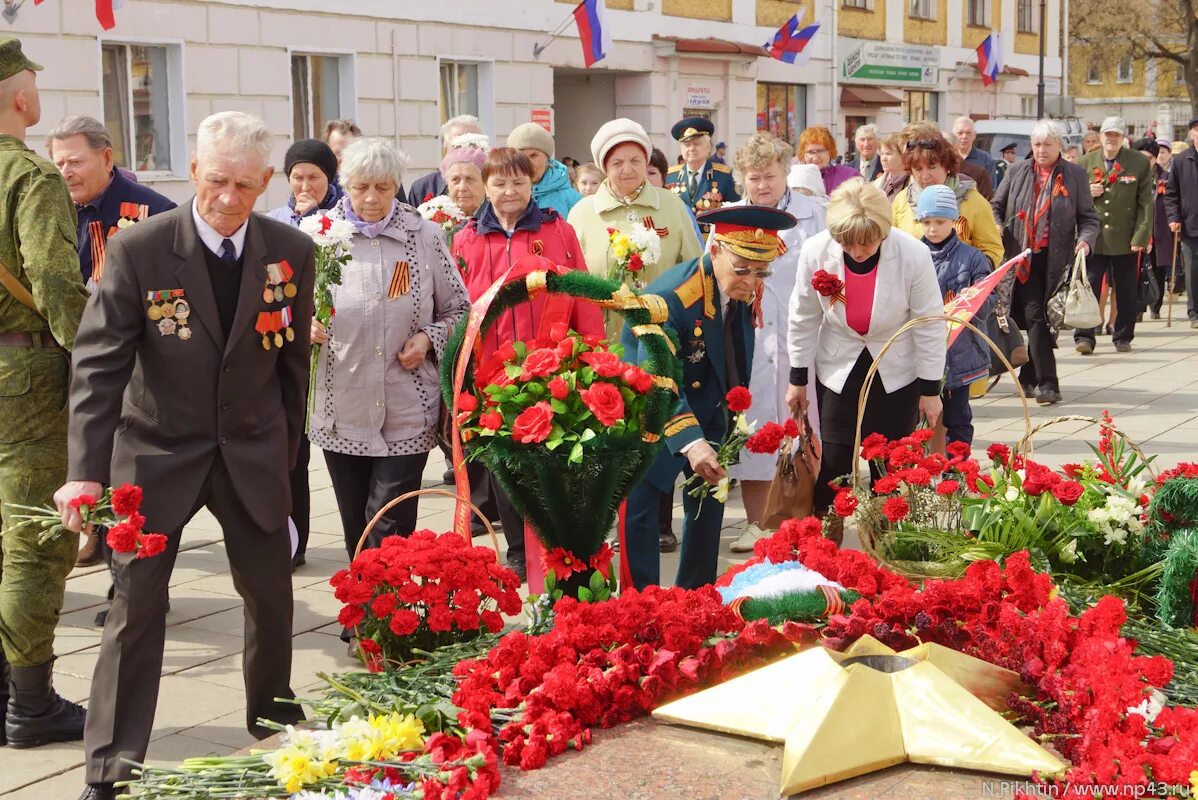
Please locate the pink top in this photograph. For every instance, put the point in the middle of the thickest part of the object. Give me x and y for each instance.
(859, 296)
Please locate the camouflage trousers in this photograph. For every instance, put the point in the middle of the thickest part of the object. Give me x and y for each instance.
(33, 464)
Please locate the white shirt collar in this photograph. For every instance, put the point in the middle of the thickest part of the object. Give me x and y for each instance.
(213, 240)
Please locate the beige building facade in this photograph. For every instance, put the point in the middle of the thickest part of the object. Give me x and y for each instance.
(401, 67)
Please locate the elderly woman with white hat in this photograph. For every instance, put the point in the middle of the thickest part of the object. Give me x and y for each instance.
(626, 199)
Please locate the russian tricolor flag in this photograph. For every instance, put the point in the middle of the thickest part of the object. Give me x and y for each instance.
(592, 30)
(790, 41)
(989, 59)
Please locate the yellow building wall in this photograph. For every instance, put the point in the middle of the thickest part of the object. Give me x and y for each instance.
(1108, 70)
(772, 13)
(927, 31)
(719, 10)
(1167, 84)
(1027, 43)
(973, 35)
(860, 24)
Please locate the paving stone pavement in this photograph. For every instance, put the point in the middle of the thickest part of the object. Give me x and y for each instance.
(1152, 392)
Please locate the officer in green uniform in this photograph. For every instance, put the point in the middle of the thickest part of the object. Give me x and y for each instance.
(1123, 190)
(702, 183)
(708, 299)
(41, 302)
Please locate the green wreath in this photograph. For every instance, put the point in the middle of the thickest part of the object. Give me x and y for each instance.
(573, 506)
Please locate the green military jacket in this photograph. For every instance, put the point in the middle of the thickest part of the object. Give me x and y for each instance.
(37, 245)
(1126, 204)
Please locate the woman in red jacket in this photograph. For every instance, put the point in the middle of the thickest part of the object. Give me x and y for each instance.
(506, 228)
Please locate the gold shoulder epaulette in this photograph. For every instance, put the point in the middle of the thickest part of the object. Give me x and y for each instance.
(690, 291)
(721, 167)
(675, 168)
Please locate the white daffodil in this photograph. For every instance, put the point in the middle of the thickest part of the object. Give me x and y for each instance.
(720, 490)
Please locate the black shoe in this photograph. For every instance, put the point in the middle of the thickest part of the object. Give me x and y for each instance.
(477, 530)
(1048, 395)
(447, 477)
(98, 791)
(1156, 315)
(1122, 347)
(37, 715)
(1029, 389)
(297, 561)
(520, 567)
(667, 542)
(1108, 330)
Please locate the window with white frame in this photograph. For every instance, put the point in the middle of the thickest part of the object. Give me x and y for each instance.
(860, 5)
(1123, 75)
(322, 88)
(923, 9)
(977, 12)
(1027, 16)
(459, 89)
(142, 95)
(1093, 73)
(1028, 105)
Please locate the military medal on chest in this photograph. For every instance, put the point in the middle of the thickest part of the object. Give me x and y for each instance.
(130, 215)
(275, 327)
(698, 346)
(170, 311)
(278, 283)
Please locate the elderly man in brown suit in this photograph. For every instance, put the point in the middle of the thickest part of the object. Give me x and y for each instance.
(189, 375)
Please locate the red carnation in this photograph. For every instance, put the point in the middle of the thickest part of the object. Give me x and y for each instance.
(559, 388)
(126, 499)
(739, 399)
(790, 428)
(150, 545)
(845, 503)
(767, 440)
(886, 484)
(948, 487)
(917, 476)
(605, 363)
(959, 449)
(1068, 492)
(562, 563)
(122, 538)
(351, 616)
(635, 263)
(492, 420)
(534, 424)
(466, 402)
(83, 500)
(540, 363)
(999, 453)
(605, 402)
(826, 283)
(896, 509)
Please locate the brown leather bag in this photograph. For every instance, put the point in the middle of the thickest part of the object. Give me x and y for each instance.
(792, 492)
(16, 289)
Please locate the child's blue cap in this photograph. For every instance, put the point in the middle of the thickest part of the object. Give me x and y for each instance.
(937, 201)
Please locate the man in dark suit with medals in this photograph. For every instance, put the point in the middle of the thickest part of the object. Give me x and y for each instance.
(702, 183)
(710, 301)
(206, 410)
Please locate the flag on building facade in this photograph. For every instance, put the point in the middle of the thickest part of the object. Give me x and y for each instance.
(593, 30)
(104, 12)
(989, 59)
(790, 42)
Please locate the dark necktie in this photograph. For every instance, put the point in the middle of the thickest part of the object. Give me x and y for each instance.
(731, 367)
(693, 183)
(228, 251)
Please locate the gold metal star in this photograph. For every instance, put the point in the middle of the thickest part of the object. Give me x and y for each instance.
(845, 714)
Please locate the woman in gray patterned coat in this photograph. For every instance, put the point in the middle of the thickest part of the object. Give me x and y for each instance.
(377, 399)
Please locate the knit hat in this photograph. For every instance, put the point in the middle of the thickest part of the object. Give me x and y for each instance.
(463, 155)
(618, 131)
(531, 136)
(311, 151)
(938, 201)
(806, 176)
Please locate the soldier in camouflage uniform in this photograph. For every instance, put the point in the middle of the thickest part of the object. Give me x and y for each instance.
(41, 302)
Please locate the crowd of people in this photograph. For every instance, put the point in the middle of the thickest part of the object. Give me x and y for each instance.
(786, 268)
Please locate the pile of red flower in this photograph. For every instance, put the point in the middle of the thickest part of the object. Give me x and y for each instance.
(607, 663)
(421, 592)
(1085, 676)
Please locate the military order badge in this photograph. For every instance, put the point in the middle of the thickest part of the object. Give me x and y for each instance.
(278, 283)
(169, 310)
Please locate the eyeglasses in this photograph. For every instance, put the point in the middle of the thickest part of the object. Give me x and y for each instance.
(924, 144)
(746, 272)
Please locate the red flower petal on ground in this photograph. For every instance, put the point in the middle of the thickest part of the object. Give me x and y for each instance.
(739, 399)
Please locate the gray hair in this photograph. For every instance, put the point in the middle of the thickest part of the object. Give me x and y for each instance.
(460, 121)
(90, 128)
(866, 130)
(243, 133)
(964, 120)
(371, 159)
(1048, 130)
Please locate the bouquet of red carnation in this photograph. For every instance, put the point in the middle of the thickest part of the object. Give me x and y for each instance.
(116, 510)
(740, 431)
(422, 592)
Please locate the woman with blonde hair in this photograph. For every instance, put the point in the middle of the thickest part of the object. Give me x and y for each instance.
(893, 178)
(762, 165)
(859, 282)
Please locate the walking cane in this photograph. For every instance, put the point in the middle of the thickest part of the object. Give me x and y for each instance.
(1172, 279)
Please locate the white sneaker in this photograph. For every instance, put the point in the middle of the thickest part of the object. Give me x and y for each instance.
(744, 544)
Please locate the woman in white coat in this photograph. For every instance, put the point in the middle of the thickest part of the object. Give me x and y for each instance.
(763, 163)
(858, 283)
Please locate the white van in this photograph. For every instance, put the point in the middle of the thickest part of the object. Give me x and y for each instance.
(995, 134)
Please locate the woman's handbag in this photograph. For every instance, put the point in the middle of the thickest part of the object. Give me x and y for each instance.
(1074, 305)
(1010, 341)
(792, 492)
(1150, 290)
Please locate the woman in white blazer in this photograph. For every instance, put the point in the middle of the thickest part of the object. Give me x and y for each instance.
(762, 164)
(877, 279)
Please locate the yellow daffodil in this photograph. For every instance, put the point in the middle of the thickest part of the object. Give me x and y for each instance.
(1194, 783)
(397, 733)
(720, 490)
(296, 766)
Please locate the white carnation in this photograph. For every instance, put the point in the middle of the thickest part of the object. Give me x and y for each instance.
(647, 243)
(1115, 536)
(1012, 494)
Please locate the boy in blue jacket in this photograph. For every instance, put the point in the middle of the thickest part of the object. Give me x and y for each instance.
(958, 265)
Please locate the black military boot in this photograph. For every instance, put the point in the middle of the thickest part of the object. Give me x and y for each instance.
(3, 695)
(36, 714)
